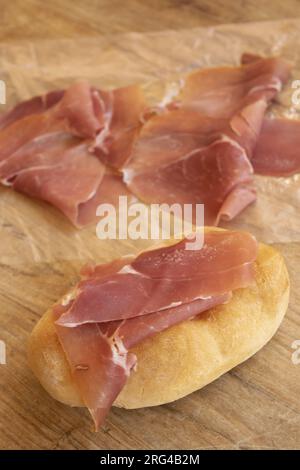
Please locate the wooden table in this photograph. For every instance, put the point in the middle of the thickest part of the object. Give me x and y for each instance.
(256, 405)
(35, 19)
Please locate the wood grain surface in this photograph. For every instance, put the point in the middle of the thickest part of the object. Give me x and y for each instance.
(36, 19)
(256, 405)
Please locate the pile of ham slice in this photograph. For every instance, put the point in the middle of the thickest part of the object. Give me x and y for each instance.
(81, 147)
(48, 147)
(117, 305)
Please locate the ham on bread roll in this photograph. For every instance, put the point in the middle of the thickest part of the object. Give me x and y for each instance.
(147, 330)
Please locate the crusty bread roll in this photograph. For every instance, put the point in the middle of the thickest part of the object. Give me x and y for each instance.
(188, 356)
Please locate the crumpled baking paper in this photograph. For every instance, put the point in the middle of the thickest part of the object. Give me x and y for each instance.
(32, 231)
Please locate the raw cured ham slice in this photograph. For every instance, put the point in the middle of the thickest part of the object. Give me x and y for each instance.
(197, 152)
(276, 153)
(239, 198)
(137, 289)
(187, 158)
(35, 105)
(98, 353)
(75, 182)
(41, 152)
(123, 110)
(221, 92)
(74, 113)
(200, 152)
(59, 169)
(79, 107)
(98, 350)
(109, 190)
(221, 251)
(278, 149)
(175, 135)
(23, 131)
(99, 369)
(68, 185)
(137, 329)
(46, 147)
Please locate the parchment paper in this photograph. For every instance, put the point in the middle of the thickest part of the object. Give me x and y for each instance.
(34, 231)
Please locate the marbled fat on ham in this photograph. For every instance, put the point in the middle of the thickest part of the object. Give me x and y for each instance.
(98, 326)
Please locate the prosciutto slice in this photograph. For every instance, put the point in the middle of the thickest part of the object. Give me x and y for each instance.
(35, 105)
(78, 147)
(162, 278)
(46, 148)
(276, 152)
(190, 173)
(74, 113)
(123, 110)
(59, 169)
(224, 91)
(278, 149)
(200, 152)
(98, 353)
(97, 334)
(68, 186)
(110, 189)
(79, 107)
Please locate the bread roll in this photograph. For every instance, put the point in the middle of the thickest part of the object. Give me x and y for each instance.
(185, 357)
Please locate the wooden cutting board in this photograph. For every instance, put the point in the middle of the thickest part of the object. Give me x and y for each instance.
(256, 405)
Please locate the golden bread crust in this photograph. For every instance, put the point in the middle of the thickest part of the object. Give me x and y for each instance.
(187, 356)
